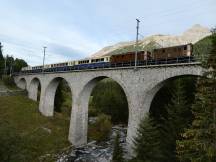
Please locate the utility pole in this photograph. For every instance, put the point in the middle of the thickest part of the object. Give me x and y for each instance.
(1, 54)
(5, 69)
(11, 66)
(44, 57)
(137, 34)
(1, 51)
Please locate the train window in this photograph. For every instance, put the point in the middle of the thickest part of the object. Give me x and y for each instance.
(163, 51)
(185, 47)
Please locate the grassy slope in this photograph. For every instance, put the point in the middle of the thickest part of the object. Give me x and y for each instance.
(25, 118)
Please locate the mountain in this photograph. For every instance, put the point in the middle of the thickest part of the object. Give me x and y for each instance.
(192, 35)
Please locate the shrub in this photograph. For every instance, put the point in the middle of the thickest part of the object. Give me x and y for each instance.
(100, 130)
(92, 112)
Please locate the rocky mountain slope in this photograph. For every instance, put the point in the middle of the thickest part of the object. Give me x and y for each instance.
(192, 35)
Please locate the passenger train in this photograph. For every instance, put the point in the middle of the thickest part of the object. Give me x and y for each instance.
(168, 55)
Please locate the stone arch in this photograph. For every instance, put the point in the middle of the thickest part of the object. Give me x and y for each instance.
(33, 88)
(154, 89)
(79, 116)
(22, 83)
(49, 95)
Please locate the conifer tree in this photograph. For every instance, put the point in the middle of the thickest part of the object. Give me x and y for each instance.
(150, 142)
(118, 151)
(179, 117)
(199, 141)
(1, 55)
(1, 60)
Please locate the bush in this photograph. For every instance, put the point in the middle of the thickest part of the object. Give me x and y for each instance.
(92, 112)
(100, 130)
(8, 81)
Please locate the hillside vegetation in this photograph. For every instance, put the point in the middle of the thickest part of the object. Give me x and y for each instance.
(26, 135)
(202, 48)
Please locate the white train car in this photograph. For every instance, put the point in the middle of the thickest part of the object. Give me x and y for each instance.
(26, 68)
(69, 63)
(37, 67)
(92, 60)
(100, 59)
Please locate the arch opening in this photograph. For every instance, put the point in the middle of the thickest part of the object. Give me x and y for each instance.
(22, 83)
(164, 90)
(34, 89)
(58, 97)
(106, 106)
(63, 99)
(171, 113)
(108, 97)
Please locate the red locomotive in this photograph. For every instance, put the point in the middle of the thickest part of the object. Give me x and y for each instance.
(168, 53)
(130, 57)
(172, 52)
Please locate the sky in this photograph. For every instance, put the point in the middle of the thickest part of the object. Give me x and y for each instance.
(75, 29)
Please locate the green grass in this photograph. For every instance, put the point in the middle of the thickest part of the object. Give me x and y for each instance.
(23, 115)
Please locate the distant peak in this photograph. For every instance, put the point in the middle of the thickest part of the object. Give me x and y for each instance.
(197, 28)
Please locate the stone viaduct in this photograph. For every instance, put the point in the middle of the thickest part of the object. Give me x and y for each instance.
(140, 87)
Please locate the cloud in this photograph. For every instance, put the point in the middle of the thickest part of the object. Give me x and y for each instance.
(62, 44)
